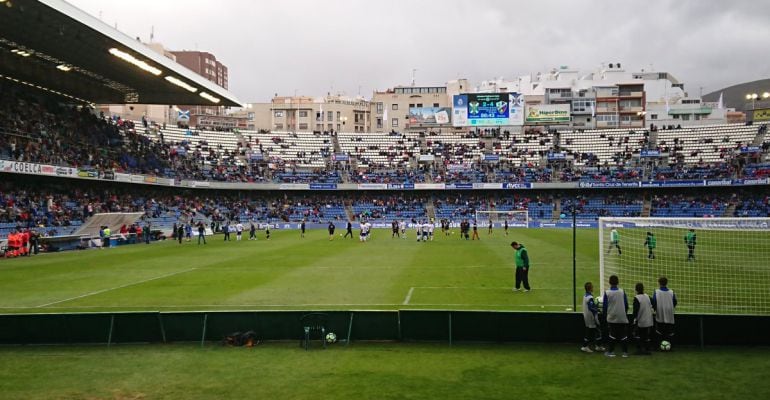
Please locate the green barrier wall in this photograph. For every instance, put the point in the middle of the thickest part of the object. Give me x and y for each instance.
(405, 325)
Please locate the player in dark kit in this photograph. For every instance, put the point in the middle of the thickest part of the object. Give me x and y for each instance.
(201, 232)
(689, 239)
(348, 230)
(394, 227)
(302, 229)
(331, 230)
(505, 226)
(651, 242)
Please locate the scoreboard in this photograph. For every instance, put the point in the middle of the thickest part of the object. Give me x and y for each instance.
(488, 109)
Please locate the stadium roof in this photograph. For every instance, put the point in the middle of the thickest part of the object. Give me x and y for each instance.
(54, 46)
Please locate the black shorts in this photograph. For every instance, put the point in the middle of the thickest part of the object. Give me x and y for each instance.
(618, 331)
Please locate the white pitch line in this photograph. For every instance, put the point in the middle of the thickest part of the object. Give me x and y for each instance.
(115, 288)
(408, 296)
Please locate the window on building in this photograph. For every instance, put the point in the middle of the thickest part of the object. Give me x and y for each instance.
(330, 117)
(250, 116)
(339, 127)
(653, 116)
(435, 105)
(411, 105)
(379, 108)
(394, 123)
(419, 105)
(278, 114)
(278, 126)
(685, 117)
(303, 126)
(303, 114)
(329, 127)
(394, 107)
(339, 116)
(676, 116)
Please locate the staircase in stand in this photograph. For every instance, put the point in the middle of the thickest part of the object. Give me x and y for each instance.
(349, 210)
(646, 207)
(556, 209)
(430, 210)
(729, 211)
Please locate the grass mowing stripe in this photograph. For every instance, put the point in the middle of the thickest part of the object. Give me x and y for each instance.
(115, 288)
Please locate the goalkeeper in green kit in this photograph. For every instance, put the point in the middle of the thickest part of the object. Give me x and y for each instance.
(651, 242)
(614, 241)
(690, 239)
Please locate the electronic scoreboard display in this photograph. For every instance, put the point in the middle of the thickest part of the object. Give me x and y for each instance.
(488, 106)
(488, 109)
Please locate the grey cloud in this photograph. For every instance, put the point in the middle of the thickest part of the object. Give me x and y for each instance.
(315, 47)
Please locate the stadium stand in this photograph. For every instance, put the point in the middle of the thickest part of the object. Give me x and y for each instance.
(34, 129)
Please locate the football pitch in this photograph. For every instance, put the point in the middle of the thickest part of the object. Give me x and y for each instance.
(288, 272)
(291, 273)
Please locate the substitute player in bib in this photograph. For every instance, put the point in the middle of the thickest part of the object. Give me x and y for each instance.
(593, 333)
(642, 321)
(616, 309)
(664, 303)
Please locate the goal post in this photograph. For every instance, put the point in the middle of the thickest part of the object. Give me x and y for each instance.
(515, 218)
(714, 265)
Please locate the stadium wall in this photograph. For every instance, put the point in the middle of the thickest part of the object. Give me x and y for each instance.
(401, 325)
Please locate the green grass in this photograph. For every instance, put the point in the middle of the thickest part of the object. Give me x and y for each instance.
(377, 371)
(292, 273)
(387, 274)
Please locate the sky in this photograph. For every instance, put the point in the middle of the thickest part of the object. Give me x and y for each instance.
(351, 47)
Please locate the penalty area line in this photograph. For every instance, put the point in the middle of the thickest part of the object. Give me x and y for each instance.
(115, 288)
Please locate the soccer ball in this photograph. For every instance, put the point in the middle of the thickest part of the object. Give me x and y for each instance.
(331, 337)
(665, 345)
(340, 234)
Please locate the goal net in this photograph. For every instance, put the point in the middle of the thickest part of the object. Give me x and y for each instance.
(714, 265)
(516, 219)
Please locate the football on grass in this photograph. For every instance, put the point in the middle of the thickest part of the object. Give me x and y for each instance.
(331, 337)
(665, 345)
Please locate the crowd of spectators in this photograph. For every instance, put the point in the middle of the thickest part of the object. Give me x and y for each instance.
(41, 130)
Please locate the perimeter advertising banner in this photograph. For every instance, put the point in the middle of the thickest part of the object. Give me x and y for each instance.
(547, 113)
(762, 115)
(488, 109)
(429, 115)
